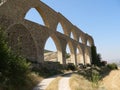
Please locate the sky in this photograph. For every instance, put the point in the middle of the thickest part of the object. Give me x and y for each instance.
(99, 18)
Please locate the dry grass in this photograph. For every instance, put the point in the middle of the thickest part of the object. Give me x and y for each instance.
(32, 81)
(112, 81)
(78, 82)
(54, 84)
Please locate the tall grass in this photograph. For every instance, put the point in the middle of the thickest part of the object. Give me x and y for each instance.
(78, 82)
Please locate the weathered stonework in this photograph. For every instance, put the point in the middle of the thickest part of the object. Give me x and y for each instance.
(30, 37)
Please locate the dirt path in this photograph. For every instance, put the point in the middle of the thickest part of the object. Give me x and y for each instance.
(112, 81)
(64, 83)
(43, 85)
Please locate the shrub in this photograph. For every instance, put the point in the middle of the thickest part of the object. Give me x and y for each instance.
(95, 78)
(48, 68)
(13, 68)
(67, 55)
(71, 66)
(112, 66)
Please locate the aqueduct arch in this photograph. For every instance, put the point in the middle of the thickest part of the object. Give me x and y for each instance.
(12, 13)
(87, 56)
(16, 37)
(72, 52)
(32, 13)
(80, 59)
(58, 47)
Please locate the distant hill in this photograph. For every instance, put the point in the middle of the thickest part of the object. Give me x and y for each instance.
(50, 56)
(46, 51)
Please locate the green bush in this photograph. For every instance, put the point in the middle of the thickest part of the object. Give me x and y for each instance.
(95, 77)
(13, 68)
(112, 66)
(71, 66)
(67, 55)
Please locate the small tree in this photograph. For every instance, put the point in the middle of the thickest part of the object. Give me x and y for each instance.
(96, 58)
(94, 55)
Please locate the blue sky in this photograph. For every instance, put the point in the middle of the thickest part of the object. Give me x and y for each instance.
(99, 18)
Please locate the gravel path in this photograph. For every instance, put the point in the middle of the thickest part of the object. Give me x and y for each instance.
(43, 85)
(64, 83)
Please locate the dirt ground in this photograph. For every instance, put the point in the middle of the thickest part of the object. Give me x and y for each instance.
(112, 81)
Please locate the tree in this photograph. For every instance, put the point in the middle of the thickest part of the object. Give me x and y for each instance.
(96, 58)
(13, 68)
(94, 55)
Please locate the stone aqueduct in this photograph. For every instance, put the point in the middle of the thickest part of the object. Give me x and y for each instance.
(32, 37)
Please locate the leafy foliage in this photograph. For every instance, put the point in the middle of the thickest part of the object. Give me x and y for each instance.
(96, 58)
(71, 66)
(67, 55)
(112, 66)
(13, 68)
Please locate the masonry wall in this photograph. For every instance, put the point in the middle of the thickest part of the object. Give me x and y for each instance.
(30, 38)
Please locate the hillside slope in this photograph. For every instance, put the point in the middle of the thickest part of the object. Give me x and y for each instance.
(112, 81)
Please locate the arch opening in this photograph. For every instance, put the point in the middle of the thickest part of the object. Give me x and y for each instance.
(68, 54)
(70, 58)
(79, 54)
(60, 28)
(88, 43)
(34, 16)
(87, 57)
(80, 39)
(52, 50)
(71, 35)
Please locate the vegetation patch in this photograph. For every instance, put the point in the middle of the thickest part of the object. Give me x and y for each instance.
(112, 66)
(48, 69)
(15, 73)
(71, 66)
(78, 82)
(94, 75)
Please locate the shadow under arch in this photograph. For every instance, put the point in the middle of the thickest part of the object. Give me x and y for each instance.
(21, 41)
(58, 47)
(87, 56)
(80, 59)
(41, 15)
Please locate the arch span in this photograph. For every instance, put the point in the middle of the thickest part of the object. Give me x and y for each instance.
(34, 16)
(14, 11)
(21, 41)
(80, 59)
(87, 56)
(35, 13)
(58, 47)
(60, 28)
(72, 52)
